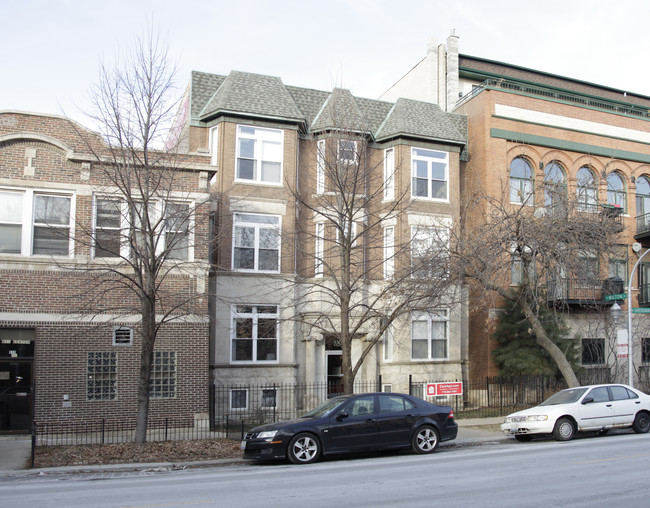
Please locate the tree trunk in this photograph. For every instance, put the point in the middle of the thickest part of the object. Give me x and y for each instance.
(146, 359)
(542, 339)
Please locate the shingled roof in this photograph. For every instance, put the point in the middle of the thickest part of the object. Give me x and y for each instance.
(256, 95)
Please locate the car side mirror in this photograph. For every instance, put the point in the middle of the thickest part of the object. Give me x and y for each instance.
(342, 416)
(588, 400)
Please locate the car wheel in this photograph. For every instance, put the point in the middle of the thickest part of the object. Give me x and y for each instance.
(304, 448)
(641, 423)
(564, 430)
(524, 438)
(425, 439)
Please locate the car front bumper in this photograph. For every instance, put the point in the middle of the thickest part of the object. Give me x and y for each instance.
(261, 449)
(525, 428)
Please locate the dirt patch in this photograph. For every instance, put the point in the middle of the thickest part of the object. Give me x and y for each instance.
(168, 451)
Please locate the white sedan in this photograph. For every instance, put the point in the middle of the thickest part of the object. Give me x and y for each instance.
(585, 408)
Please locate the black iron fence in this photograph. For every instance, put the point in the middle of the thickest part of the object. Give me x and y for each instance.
(238, 408)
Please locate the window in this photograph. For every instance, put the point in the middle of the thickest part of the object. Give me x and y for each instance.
(319, 249)
(113, 221)
(389, 252)
(588, 269)
(429, 251)
(430, 174)
(259, 154)
(645, 350)
(177, 230)
(214, 145)
(35, 223)
(388, 341)
(429, 335)
(102, 376)
(238, 399)
(521, 181)
(163, 375)
(616, 191)
(593, 351)
(642, 195)
(51, 224)
(256, 242)
(122, 336)
(108, 227)
(554, 186)
(389, 174)
(394, 403)
(11, 221)
(618, 262)
(347, 151)
(255, 333)
(269, 398)
(361, 406)
(587, 190)
(320, 166)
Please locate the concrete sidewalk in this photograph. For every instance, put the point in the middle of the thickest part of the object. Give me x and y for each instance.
(15, 450)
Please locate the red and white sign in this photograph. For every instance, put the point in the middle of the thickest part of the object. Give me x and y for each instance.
(441, 389)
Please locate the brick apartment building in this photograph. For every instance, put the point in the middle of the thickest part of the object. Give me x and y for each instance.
(64, 355)
(268, 141)
(527, 127)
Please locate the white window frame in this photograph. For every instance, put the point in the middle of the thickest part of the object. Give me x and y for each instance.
(239, 221)
(389, 174)
(230, 399)
(423, 238)
(261, 136)
(388, 341)
(275, 398)
(389, 252)
(255, 316)
(320, 166)
(28, 223)
(214, 145)
(126, 222)
(438, 316)
(440, 157)
(319, 249)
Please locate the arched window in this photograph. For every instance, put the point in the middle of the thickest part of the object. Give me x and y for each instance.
(554, 185)
(642, 195)
(521, 181)
(587, 190)
(616, 191)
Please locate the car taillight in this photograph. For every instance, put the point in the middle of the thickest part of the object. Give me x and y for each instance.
(451, 415)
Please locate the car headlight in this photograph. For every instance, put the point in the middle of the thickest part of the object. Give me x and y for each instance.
(267, 434)
(536, 418)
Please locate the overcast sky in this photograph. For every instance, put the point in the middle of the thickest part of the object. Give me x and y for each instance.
(51, 49)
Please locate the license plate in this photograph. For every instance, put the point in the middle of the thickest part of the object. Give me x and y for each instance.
(243, 445)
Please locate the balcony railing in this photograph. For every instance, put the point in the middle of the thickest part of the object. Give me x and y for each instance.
(643, 225)
(584, 291)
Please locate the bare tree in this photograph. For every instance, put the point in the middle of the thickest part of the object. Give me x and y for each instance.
(552, 250)
(150, 207)
(360, 267)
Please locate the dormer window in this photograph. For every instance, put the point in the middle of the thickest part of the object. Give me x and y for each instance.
(259, 155)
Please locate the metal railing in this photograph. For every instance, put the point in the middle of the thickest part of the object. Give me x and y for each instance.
(558, 95)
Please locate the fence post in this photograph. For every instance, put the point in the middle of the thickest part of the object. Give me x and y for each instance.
(242, 430)
(166, 428)
(410, 384)
(103, 429)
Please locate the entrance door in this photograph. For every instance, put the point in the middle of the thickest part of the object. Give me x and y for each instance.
(644, 283)
(16, 362)
(334, 373)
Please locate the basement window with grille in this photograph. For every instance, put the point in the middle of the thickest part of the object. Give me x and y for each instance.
(122, 336)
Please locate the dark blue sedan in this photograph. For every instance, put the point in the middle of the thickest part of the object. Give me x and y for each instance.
(354, 423)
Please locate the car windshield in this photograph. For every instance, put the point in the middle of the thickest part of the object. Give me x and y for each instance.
(564, 397)
(326, 408)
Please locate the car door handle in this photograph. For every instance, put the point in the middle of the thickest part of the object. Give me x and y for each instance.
(637, 402)
(608, 405)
